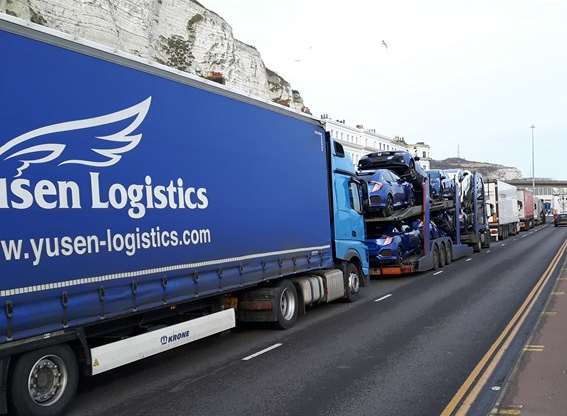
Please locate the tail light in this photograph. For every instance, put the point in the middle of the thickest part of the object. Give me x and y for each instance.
(377, 186)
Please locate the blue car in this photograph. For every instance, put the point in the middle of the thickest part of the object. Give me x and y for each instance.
(400, 162)
(394, 244)
(387, 192)
(435, 184)
(440, 185)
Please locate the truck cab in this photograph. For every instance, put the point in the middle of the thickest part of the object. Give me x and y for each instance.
(348, 220)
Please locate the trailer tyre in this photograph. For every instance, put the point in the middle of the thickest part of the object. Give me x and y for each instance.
(352, 282)
(449, 256)
(435, 258)
(442, 256)
(485, 240)
(477, 247)
(287, 304)
(44, 381)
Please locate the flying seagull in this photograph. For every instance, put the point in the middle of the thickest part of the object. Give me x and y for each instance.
(304, 55)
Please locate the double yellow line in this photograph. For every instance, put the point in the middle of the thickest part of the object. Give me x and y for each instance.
(462, 401)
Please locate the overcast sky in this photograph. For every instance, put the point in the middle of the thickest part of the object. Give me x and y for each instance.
(475, 73)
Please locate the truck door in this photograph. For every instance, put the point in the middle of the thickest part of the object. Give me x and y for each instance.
(349, 223)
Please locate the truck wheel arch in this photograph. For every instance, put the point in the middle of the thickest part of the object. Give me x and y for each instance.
(353, 257)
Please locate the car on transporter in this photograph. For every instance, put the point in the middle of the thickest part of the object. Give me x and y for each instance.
(394, 243)
(441, 186)
(400, 162)
(387, 192)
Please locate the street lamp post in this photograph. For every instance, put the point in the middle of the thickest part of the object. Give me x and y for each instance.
(533, 159)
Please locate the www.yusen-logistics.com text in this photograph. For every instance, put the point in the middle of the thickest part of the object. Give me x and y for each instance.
(36, 249)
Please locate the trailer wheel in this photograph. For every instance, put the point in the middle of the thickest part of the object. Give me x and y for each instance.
(287, 304)
(352, 282)
(477, 246)
(449, 254)
(435, 258)
(485, 240)
(44, 381)
(442, 256)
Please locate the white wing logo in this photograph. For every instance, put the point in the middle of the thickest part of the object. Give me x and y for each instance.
(48, 152)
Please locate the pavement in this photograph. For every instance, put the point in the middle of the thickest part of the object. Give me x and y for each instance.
(404, 348)
(538, 384)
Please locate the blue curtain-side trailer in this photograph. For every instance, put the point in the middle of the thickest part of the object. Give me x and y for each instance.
(143, 208)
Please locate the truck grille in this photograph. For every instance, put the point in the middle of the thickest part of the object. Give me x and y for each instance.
(386, 253)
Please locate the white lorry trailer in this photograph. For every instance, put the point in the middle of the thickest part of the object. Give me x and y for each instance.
(502, 207)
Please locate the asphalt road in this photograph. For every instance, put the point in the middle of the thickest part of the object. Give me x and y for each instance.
(404, 355)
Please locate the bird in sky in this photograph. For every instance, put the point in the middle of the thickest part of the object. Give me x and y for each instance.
(384, 44)
(304, 55)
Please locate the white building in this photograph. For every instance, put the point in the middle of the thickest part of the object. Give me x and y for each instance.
(358, 141)
(423, 151)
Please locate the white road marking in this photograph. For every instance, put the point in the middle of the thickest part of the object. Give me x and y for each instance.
(265, 350)
(383, 297)
(469, 259)
(487, 251)
(503, 244)
(439, 272)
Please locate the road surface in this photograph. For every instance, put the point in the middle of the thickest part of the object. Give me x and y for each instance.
(404, 348)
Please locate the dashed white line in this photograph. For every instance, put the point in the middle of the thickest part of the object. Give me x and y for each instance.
(487, 251)
(439, 272)
(265, 350)
(503, 244)
(383, 297)
(469, 259)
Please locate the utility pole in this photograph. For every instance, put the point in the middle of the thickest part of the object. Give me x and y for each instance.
(458, 151)
(533, 159)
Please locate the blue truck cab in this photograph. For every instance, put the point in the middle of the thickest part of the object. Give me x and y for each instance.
(348, 216)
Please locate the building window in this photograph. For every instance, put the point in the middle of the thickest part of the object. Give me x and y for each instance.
(424, 154)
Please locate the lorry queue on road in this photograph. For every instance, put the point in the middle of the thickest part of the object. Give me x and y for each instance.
(187, 240)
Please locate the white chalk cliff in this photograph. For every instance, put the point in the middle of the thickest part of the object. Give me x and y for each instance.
(180, 33)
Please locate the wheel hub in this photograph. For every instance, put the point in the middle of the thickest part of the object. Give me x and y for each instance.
(47, 380)
(354, 282)
(287, 305)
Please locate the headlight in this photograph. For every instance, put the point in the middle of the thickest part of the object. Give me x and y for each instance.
(384, 241)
